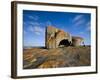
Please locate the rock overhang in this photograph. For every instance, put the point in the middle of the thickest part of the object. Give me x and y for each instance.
(56, 37)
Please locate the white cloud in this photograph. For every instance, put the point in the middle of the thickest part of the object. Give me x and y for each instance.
(88, 25)
(33, 23)
(36, 29)
(80, 22)
(30, 28)
(77, 18)
(81, 32)
(37, 33)
(33, 17)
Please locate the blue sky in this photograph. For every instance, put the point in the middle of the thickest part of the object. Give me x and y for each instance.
(35, 22)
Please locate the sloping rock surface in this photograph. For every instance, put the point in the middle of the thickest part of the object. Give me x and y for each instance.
(58, 57)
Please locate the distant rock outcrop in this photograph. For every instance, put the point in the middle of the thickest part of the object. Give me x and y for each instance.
(76, 41)
(58, 38)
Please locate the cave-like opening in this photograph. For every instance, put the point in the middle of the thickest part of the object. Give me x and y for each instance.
(64, 43)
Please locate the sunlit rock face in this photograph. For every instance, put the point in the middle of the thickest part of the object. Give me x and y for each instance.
(58, 38)
(77, 41)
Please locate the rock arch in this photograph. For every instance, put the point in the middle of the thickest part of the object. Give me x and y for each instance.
(62, 36)
(54, 36)
(64, 43)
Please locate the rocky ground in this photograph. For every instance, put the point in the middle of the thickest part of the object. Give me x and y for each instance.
(59, 57)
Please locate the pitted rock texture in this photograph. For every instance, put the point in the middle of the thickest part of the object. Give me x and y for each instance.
(58, 38)
(56, 57)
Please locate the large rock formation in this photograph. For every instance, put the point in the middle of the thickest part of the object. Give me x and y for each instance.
(58, 38)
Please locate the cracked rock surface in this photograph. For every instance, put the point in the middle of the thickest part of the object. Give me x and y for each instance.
(58, 57)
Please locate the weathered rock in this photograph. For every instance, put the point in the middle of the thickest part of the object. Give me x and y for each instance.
(54, 37)
(57, 57)
(58, 38)
(76, 41)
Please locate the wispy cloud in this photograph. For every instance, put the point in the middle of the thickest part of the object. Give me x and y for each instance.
(77, 18)
(30, 28)
(88, 25)
(33, 17)
(81, 32)
(36, 29)
(80, 22)
(35, 23)
(88, 28)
